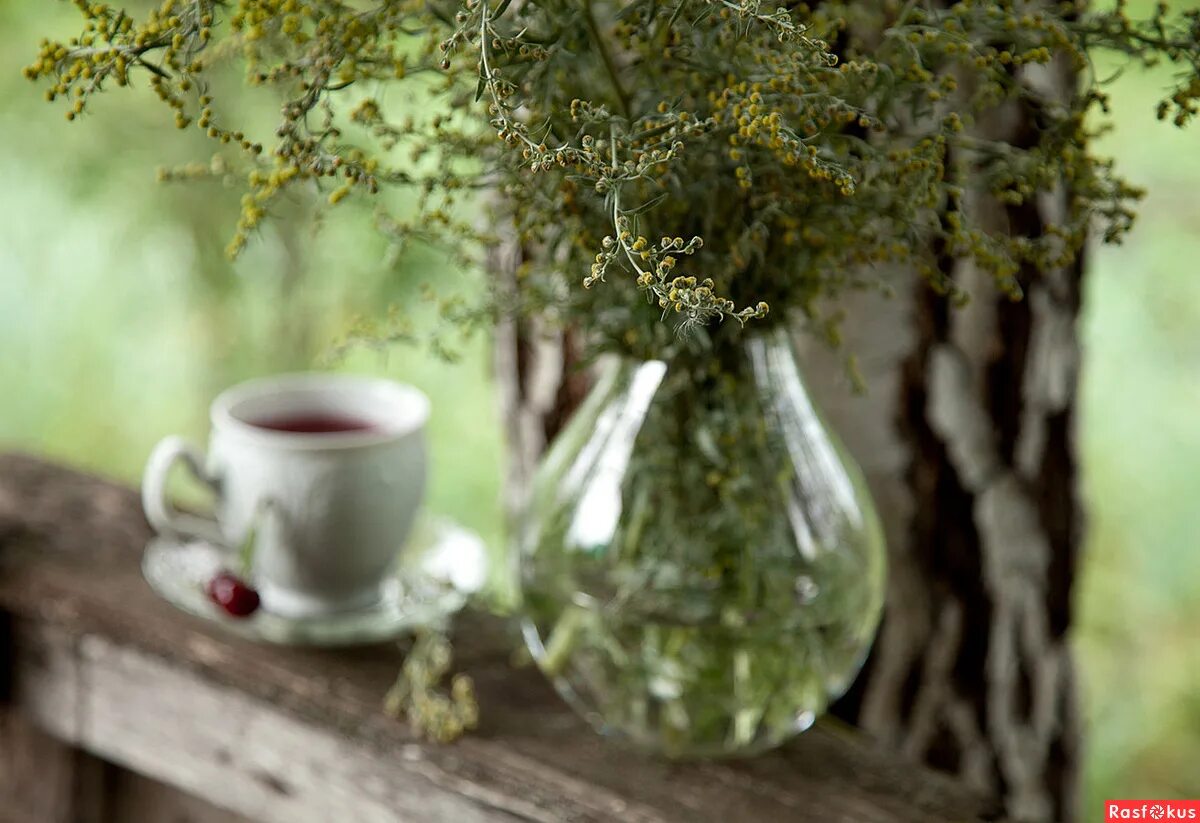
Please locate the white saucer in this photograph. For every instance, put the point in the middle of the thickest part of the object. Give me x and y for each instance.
(442, 566)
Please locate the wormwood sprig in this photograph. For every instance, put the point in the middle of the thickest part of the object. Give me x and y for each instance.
(167, 46)
(697, 304)
(417, 694)
(793, 152)
(778, 20)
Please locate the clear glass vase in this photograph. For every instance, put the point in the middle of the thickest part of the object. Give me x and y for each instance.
(702, 568)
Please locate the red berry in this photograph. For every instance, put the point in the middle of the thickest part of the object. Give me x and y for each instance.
(232, 594)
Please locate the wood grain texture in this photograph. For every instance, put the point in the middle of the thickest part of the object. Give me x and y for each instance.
(138, 799)
(45, 780)
(274, 733)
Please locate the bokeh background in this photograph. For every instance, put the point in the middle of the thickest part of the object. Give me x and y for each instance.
(120, 318)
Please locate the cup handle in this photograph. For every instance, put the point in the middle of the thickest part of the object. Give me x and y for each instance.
(164, 517)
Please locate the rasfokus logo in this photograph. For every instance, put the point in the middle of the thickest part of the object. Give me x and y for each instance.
(1151, 810)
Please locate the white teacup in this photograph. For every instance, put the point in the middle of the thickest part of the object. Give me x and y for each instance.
(327, 470)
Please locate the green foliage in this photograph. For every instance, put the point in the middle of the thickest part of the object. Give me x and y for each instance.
(778, 168)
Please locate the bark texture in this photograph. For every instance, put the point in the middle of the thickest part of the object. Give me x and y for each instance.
(973, 671)
(540, 379)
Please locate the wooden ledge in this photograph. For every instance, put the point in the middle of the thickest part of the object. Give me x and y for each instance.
(93, 657)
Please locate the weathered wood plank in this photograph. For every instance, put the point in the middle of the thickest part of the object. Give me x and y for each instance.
(141, 712)
(46, 780)
(42, 779)
(277, 733)
(138, 799)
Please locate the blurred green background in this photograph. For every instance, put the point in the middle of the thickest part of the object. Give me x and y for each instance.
(120, 319)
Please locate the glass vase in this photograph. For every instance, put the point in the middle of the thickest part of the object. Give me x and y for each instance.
(702, 568)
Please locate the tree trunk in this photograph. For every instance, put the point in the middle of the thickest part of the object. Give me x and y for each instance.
(966, 437)
(968, 441)
(539, 379)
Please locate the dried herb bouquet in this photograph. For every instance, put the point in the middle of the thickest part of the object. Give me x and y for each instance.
(705, 160)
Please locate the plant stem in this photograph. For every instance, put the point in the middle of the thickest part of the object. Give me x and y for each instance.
(563, 639)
